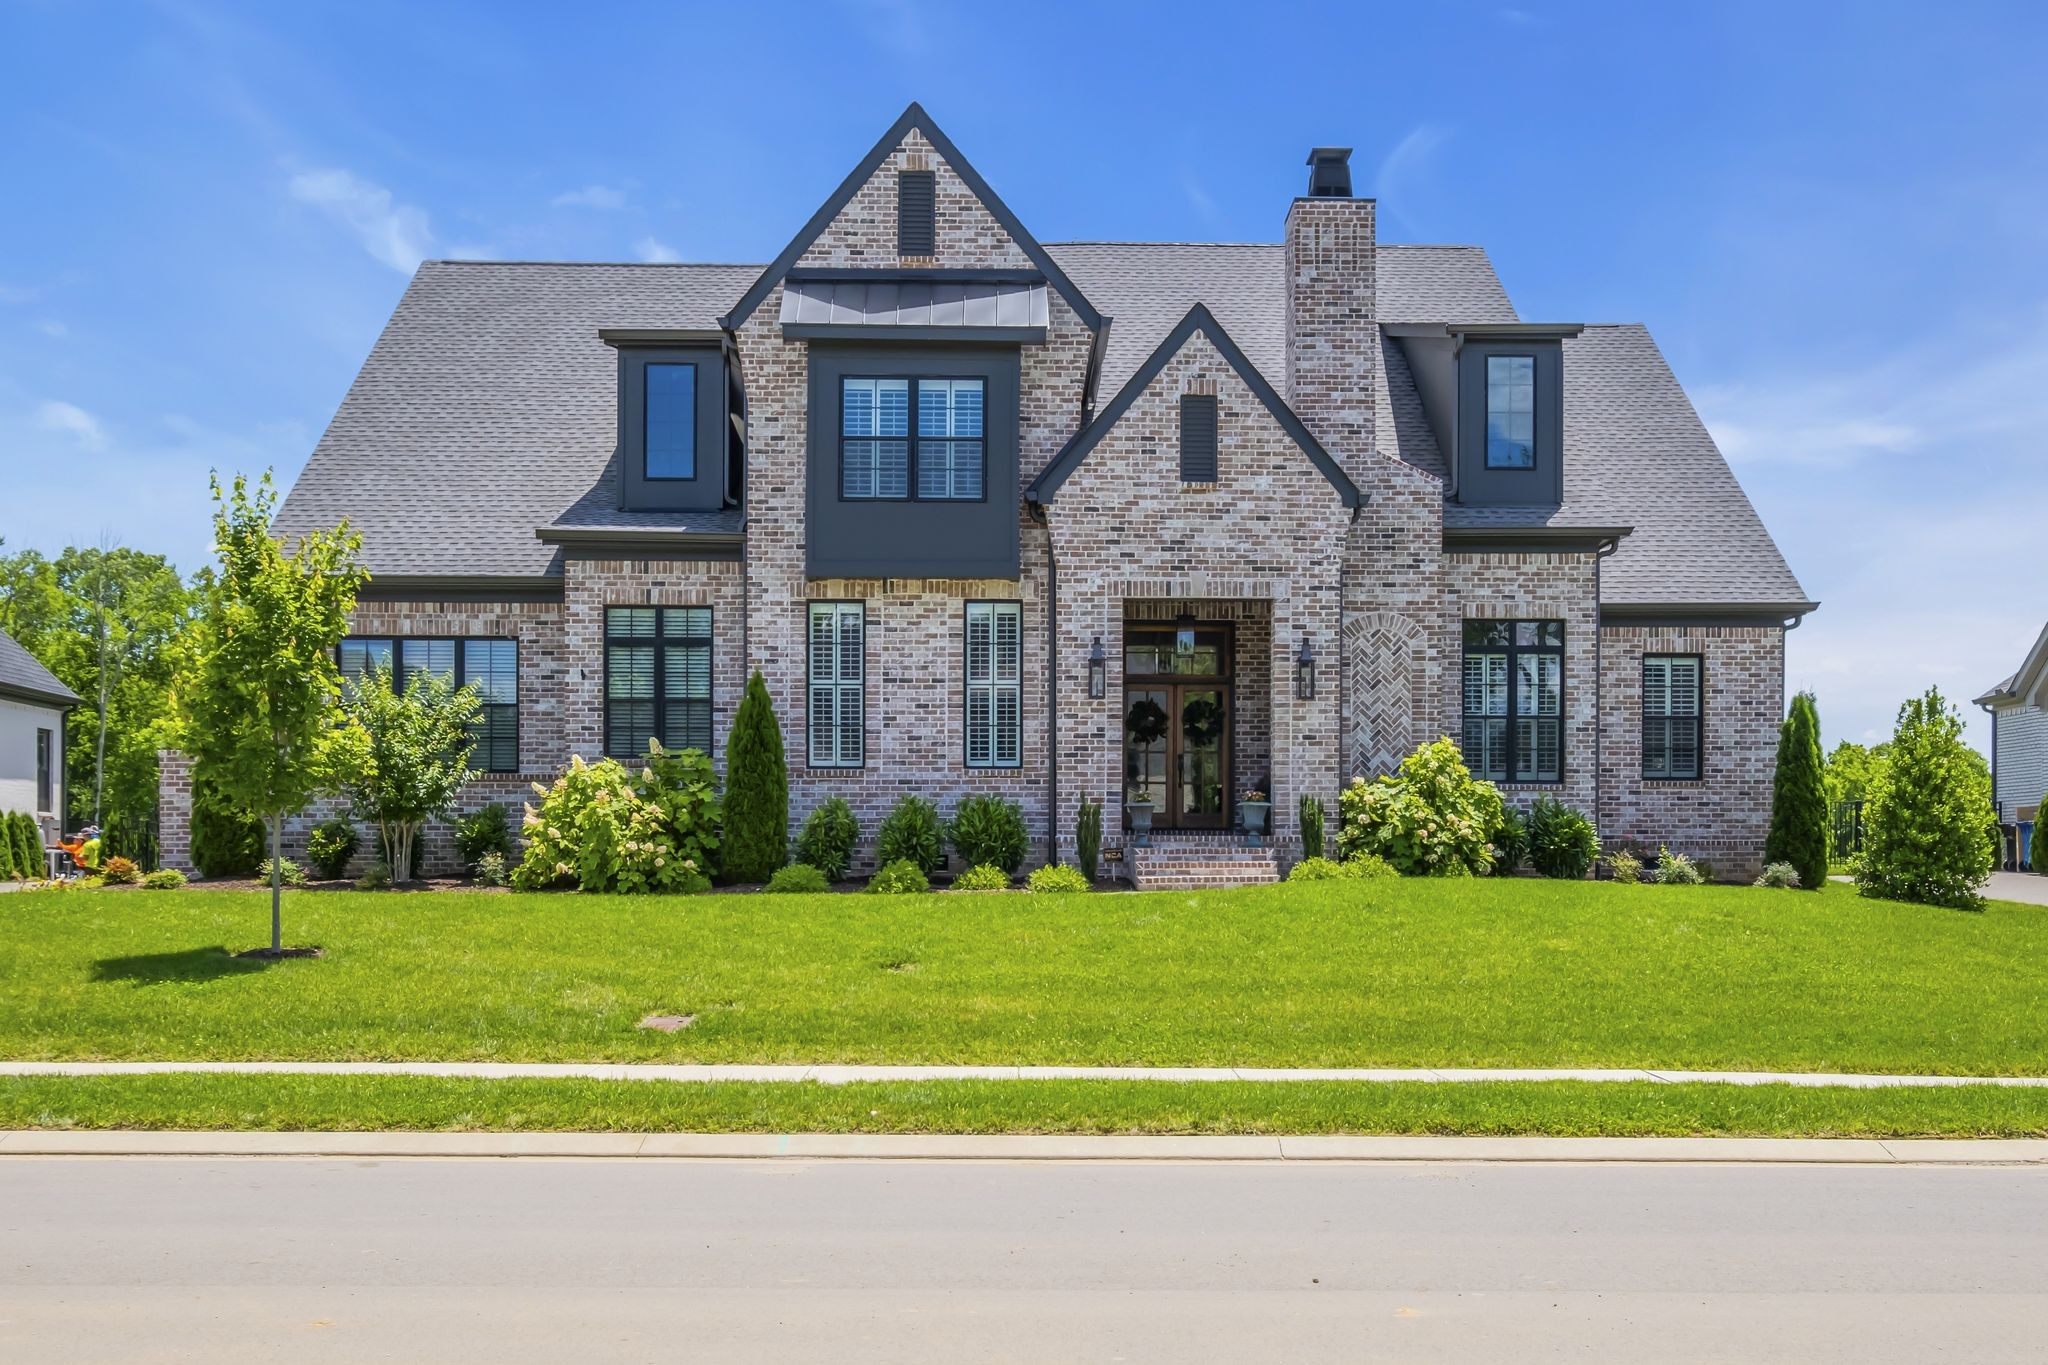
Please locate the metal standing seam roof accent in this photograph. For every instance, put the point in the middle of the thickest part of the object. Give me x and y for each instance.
(23, 675)
(914, 303)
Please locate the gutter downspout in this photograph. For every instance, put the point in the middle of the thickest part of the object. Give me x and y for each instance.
(1052, 687)
(1998, 811)
(1606, 548)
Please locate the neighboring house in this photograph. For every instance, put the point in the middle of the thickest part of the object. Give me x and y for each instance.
(32, 707)
(2019, 751)
(1065, 521)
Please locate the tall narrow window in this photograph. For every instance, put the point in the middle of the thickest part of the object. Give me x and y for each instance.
(874, 444)
(838, 678)
(1510, 412)
(1198, 438)
(995, 685)
(671, 419)
(46, 769)
(917, 226)
(1514, 700)
(657, 679)
(1672, 684)
(950, 439)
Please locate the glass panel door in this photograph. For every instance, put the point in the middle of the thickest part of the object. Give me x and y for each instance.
(1147, 744)
(1200, 795)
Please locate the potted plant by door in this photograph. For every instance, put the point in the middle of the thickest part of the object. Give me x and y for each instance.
(1138, 805)
(1252, 810)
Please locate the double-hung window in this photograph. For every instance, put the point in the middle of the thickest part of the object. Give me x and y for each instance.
(1514, 700)
(657, 668)
(489, 662)
(995, 685)
(838, 682)
(1672, 684)
(46, 769)
(883, 457)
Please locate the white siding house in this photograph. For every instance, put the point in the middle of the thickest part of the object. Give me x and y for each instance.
(2019, 749)
(32, 707)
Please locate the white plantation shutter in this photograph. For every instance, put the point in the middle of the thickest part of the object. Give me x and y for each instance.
(994, 690)
(1672, 684)
(837, 701)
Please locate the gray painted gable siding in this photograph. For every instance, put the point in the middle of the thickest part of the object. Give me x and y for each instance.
(22, 673)
(2022, 757)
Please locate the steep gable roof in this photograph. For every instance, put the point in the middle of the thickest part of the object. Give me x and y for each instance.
(23, 675)
(1198, 319)
(916, 118)
(2028, 681)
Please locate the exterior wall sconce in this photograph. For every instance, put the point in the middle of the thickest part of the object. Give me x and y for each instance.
(1305, 671)
(1098, 671)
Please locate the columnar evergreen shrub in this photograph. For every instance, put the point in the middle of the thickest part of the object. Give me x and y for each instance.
(2037, 849)
(1511, 845)
(988, 829)
(1088, 839)
(14, 859)
(910, 833)
(226, 842)
(1799, 797)
(1311, 826)
(1923, 831)
(329, 847)
(826, 841)
(1429, 819)
(756, 789)
(1562, 841)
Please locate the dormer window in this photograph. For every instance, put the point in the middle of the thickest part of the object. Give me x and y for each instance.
(1511, 412)
(671, 416)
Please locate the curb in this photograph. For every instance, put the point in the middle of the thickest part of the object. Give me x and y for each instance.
(847, 1074)
(965, 1147)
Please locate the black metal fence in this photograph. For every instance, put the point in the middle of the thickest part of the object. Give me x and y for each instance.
(1846, 818)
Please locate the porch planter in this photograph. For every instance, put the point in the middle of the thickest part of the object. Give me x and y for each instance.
(1140, 812)
(1252, 815)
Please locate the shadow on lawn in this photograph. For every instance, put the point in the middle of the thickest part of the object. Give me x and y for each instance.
(193, 964)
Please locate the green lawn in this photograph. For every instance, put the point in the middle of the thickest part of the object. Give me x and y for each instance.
(1561, 1108)
(1402, 973)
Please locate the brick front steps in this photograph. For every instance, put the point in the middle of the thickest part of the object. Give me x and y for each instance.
(1174, 863)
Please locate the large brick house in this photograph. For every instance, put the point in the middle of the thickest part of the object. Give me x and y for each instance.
(1065, 521)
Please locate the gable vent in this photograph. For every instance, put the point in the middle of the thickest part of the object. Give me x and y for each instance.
(916, 213)
(1198, 438)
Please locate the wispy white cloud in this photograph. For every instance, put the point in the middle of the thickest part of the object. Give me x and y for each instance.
(70, 420)
(15, 293)
(51, 327)
(654, 251)
(600, 197)
(1397, 182)
(1199, 198)
(1521, 18)
(394, 233)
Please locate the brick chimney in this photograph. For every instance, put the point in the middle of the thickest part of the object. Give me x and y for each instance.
(1332, 340)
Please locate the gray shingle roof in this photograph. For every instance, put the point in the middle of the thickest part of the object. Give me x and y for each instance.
(22, 674)
(488, 408)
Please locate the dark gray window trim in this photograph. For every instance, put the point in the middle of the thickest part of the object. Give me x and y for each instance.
(857, 274)
(47, 764)
(696, 458)
(705, 490)
(1198, 319)
(913, 117)
(1564, 710)
(656, 641)
(461, 588)
(917, 213)
(914, 440)
(398, 643)
(1699, 747)
(863, 331)
(1532, 539)
(967, 606)
(810, 674)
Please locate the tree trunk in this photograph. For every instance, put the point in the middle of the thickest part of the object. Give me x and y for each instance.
(277, 881)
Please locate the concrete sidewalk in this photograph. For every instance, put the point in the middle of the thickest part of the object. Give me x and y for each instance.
(966, 1147)
(845, 1075)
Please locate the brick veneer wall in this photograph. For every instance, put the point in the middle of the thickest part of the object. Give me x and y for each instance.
(1724, 816)
(591, 585)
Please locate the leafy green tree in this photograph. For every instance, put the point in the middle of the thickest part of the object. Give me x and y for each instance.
(1852, 770)
(756, 789)
(257, 712)
(1800, 828)
(408, 753)
(1923, 836)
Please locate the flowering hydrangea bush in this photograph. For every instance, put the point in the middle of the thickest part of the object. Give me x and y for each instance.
(1431, 819)
(602, 828)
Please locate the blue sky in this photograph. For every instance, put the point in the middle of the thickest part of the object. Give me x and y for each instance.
(1834, 220)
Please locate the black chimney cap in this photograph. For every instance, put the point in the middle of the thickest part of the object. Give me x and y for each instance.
(1329, 174)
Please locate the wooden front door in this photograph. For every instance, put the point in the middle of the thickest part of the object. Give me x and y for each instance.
(1177, 700)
